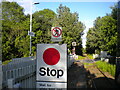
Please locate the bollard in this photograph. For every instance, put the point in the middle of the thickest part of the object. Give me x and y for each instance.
(1, 75)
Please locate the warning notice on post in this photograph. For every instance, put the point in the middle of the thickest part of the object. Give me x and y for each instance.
(56, 34)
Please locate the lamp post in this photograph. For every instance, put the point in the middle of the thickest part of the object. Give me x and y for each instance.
(30, 32)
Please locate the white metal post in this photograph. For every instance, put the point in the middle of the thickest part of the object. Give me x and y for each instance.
(1, 75)
(30, 27)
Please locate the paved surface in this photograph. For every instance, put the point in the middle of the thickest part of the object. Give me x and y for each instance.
(77, 76)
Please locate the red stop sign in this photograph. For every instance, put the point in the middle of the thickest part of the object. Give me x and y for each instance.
(51, 56)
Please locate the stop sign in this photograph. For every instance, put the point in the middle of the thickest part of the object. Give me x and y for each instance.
(51, 56)
(51, 63)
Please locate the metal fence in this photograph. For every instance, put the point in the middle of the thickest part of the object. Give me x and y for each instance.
(20, 73)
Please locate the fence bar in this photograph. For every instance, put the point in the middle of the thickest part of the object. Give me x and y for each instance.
(10, 83)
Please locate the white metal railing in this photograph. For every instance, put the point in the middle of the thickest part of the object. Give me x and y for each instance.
(19, 74)
(24, 59)
(70, 60)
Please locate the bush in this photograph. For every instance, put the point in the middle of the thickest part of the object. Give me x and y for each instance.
(6, 62)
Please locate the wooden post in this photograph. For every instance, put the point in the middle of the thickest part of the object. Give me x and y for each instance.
(1, 75)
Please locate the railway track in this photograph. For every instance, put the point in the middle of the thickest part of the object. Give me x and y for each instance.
(103, 81)
(97, 78)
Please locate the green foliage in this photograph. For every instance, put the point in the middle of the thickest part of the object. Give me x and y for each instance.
(15, 27)
(72, 28)
(106, 67)
(88, 64)
(13, 30)
(103, 36)
(90, 56)
(84, 50)
(43, 21)
(118, 28)
(6, 62)
(97, 51)
(115, 11)
(81, 57)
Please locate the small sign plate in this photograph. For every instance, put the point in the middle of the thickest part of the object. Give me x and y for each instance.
(56, 34)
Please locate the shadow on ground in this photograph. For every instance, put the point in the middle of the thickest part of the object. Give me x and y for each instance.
(79, 77)
(100, 82)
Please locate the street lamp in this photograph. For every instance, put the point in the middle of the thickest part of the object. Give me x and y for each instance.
(30, 32)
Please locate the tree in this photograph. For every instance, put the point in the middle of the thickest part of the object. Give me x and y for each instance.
(13, 30)
(116, 15)
(118, 30)
(72, 28)
(42, 23)
(15, 40)
(91, 44)
(103, 35)
(115, 11)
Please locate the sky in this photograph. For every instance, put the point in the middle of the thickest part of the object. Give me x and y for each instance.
(88, 10)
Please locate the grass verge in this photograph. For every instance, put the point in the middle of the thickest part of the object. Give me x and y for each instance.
(106, 67)
(90, 56)
(81, 57)
(84, 57)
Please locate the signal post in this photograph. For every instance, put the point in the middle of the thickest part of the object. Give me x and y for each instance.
(52, 62)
